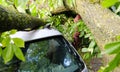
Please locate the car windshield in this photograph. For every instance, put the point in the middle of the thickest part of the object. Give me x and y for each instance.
(53, 54)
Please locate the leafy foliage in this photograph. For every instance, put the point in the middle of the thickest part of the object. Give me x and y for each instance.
(108, 3)
(63, 24)
(10, 46)
(112, 48)
(3, 2)
(66, 25)
(18, 42)
(114, 5)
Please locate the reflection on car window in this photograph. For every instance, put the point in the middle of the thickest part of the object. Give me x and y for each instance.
(49, 55)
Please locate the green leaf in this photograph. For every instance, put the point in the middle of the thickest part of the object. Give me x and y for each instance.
(70, 2)
(18, 53)
(84, 49)
(33, 10)
(16, 3)
(92, 44)
(21, 5)
(108, 3)
(112, 48)
(13, 31)
(87, 35)
(3, 2)
(118, 38)
(113, 64)
(118, 10)
(0, 51)
(7, 53)
(18, 42)
(91, 50)
(86, 56)
(5, 41)
(5, 34)
(82, 33)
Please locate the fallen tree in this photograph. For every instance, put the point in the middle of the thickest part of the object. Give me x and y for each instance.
(103, 24)
(12, 19)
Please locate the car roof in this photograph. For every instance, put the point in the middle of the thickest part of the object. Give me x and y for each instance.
(36, 34)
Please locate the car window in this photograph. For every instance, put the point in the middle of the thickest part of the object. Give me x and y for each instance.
(50, 55)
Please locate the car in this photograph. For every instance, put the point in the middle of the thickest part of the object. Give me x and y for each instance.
(46, 50)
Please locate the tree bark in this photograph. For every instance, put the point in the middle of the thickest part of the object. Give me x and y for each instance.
(104, 24)
(12, 19)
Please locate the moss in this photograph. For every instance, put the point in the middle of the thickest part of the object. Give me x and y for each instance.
(11, 19)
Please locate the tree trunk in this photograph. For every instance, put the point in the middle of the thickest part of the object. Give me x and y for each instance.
(11, 19)
(104, 24)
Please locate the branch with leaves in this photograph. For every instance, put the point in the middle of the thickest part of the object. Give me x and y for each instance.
(11, 46)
